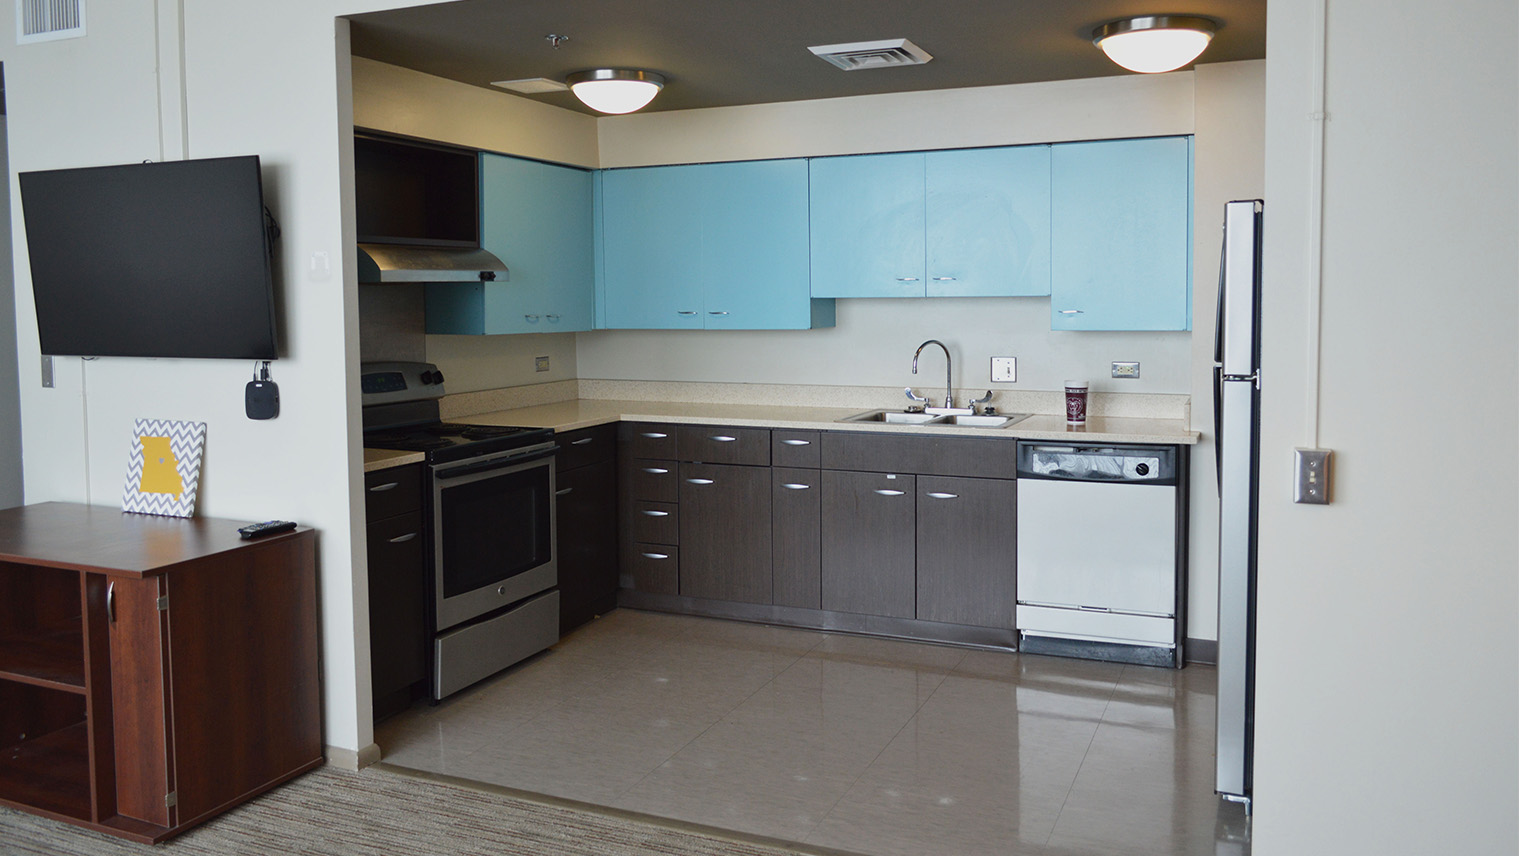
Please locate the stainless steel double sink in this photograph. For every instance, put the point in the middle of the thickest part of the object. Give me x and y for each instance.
(903, 417)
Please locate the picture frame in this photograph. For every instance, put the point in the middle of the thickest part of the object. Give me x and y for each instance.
(164, 467)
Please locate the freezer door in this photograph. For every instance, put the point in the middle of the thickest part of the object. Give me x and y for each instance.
(1237, 584)
(1240, 272)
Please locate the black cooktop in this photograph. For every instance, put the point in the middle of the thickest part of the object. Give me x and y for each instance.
(454, 441)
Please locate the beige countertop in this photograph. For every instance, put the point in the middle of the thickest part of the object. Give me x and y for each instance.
(584, 413)
(380, 459)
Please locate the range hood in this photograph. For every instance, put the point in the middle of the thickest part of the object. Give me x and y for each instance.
(385, 263)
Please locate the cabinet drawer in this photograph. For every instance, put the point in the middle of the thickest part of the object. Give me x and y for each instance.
(647, 439)
(656, 522)
(652, 480)
(392, 491)
(940, 456)
(653, 568)
(718, 444)
(586, 446)
(794, 449)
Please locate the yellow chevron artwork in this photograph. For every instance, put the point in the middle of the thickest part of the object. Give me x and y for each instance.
(164, 467)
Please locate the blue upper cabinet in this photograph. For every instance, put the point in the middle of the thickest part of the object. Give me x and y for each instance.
(966, 223)
(867, 225)
(537, 218)
(708, 246)
(1121, 247)
(988, 222)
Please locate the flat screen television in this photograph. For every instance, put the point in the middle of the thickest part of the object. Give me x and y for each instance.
(152, 260)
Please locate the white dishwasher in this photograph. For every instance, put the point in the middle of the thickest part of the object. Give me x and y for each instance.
(1100, 570)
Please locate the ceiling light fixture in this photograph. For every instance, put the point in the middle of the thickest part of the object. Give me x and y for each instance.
(615, 90)
(1154, 43)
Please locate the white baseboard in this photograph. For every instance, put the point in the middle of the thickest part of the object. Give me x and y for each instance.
(348, 759)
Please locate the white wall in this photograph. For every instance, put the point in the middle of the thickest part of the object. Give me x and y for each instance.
(1386, 707)
(10, 397)
(203, 78)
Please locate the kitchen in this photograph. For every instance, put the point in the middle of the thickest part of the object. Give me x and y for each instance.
(863, 359)
(1323, 756)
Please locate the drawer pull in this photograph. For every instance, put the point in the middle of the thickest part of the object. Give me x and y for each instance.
(686, 312)
(562, 491)
(552, 317)
(531, 319)
(722, 438)
(907, 279)
(1071, 311)
(582, 441)
(699, 481)
(717, 313)
(384, 487)
(796, 486)
(656, 555)
(798, 442)
(402, 539)
(111, 602)
(939, 495)
(944, 279)
(885, 492)
(649, 513)
(654, 435)
(656, 471)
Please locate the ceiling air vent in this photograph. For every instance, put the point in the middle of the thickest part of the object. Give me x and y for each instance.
(532, 85)
(46, 20)
(882, 54)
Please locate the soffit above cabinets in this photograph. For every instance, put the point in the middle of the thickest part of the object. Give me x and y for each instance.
(723, 54)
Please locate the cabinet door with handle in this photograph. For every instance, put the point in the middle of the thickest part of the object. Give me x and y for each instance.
(868, 543)
(651, 236)
(796, 537)
(726, 532)
(867, 225)
(966, 551)
(138, 633)
(398, 591)
(988, 215)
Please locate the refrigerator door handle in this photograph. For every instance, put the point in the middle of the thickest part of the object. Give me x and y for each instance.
(1219, 428)
(1219, 309)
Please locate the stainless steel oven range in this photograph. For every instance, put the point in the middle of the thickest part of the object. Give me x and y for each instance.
(490, 506)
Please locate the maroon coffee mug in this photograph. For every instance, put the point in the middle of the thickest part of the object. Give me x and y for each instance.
(1076, 402)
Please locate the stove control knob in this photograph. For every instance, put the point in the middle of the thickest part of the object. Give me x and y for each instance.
(425, 378)
(437, 377)
(501, 590)
(1142, 469)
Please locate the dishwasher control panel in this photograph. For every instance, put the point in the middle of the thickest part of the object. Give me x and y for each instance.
(1097, 463)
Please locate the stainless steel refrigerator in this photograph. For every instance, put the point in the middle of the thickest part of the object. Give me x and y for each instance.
(1237, 438)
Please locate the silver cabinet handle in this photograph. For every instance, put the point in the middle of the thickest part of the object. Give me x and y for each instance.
(938, 495)
(907, 279)
(530, 318)
(651, 513)
(563, 491)
(582, 441)
(1071, 311)
(656, 555)
(944, 279)
(796, 486)
(717, 313)
(654, 435)
(111, 602)
(885, 492)
(658, 471)
(384, 487)
(552, 317)
(686, 311)
(798, 442)
(699, 481)
(402, 539)
(722, 438)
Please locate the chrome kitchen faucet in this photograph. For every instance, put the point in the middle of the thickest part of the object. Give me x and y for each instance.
(949, 399)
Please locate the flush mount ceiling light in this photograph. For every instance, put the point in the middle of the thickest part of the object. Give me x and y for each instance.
(1153, 43)
(615, 90)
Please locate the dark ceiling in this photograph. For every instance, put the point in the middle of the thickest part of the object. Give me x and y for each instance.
(725, 52)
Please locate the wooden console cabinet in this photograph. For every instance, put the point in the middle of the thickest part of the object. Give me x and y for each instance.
(154, 671)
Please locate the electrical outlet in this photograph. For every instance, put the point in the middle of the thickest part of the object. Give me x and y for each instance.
(1004, 370)
(540, 364)
(1126, 370)
(1311, 483)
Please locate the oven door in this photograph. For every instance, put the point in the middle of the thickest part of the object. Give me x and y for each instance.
(493, 532)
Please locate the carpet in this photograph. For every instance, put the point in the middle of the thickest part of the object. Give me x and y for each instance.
(379, 812)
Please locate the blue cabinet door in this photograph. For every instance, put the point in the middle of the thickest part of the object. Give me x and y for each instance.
(1121, 248)
(651, 222)
(988, 222)
(755, 247)
(537, 218)
(867, 225)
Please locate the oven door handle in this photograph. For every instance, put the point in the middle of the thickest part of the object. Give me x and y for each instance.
(493, 464)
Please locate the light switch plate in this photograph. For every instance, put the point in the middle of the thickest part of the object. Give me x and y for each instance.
(1004, 370)
(47, 372)
(1311, 480)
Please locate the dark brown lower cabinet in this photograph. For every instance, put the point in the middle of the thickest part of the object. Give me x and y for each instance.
(725, 532)
(868, 543)
(966, 548)
(587, 542)
(796, 537)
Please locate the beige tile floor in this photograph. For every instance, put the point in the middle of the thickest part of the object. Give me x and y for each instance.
(866, 745)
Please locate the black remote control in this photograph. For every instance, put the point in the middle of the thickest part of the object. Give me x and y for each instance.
(268, 527)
